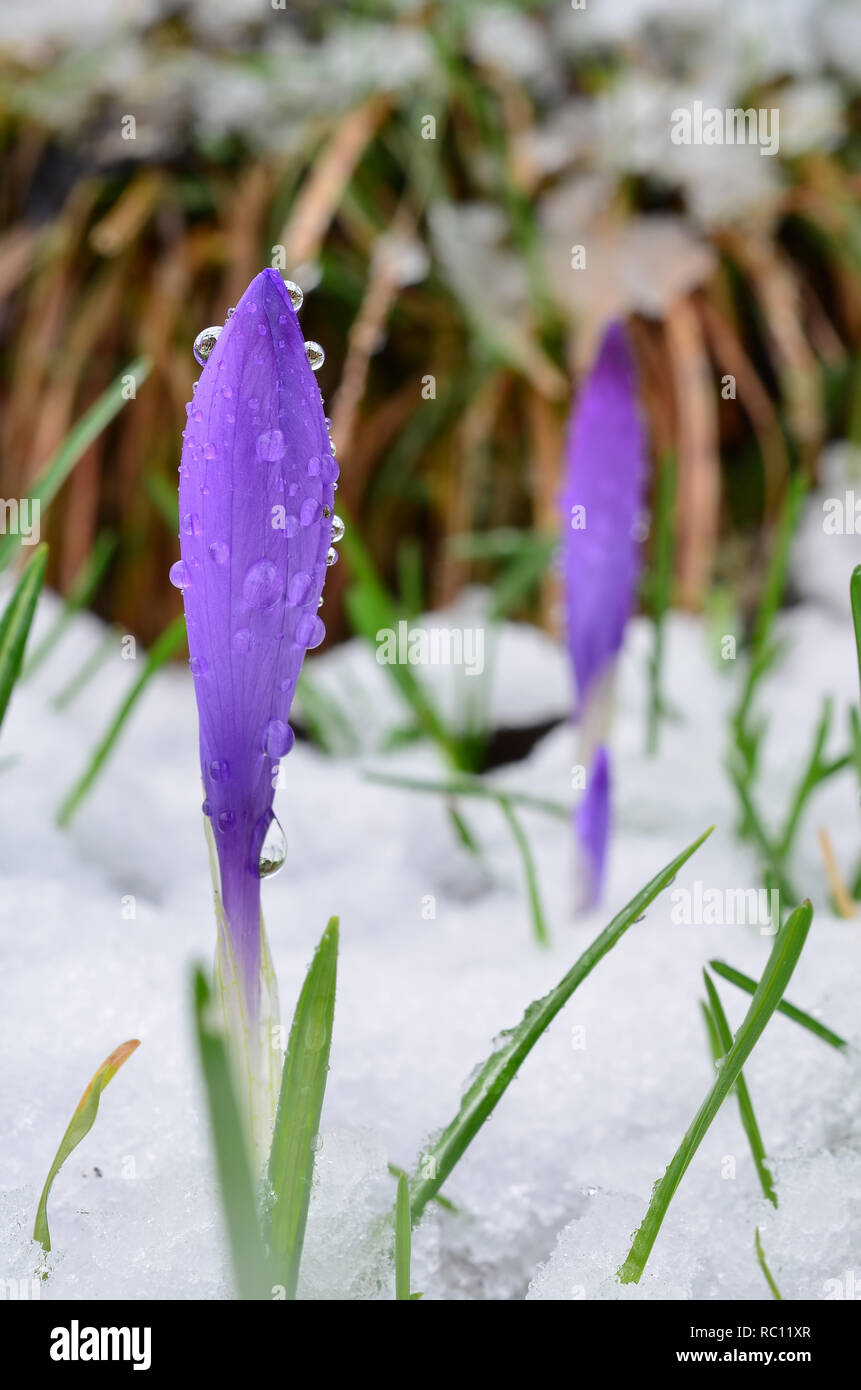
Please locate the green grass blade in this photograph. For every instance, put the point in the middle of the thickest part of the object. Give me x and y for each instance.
(403, 1240)
(81, 678)
(303, 1085)
(16, 622)
(660, 590)
(539, 924)
(470, 786)
(161, 651)
(784, 954)
(489, 1085)
(745, 1104)
(79, 1127)
(235, 1177)
(775, 579)
(76, 443)
(769, 1277)
(84, 587)
(735, 977)
(855, 598)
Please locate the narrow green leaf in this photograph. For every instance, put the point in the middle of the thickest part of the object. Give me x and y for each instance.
(76, 443)
(539, 924)
(490, 1084)
(745, 1104)
(15, 624)
(79, 1127)
(303, 1085)
(660, 589)
(769, 1278)
(470, 786)
(236, 1181)
(161, 651)
(88, 668)
(784, 954)
(83, 588)
(403, 1240)
(749, 985)
(855, 598)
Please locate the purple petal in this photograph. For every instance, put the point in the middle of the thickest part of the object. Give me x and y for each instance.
(592, 827)
(605, 477)
(255, 505)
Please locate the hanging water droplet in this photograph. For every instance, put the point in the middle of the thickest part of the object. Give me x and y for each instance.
(231, 312)
(205, 342)
(262, 586)
(331, 557)
(278, 738)
(273, 851)
(329, 469)
(327, 512)
(219, 552)
(310, 630)
(320, 602)
(178, 575)
(315, 354)
(296, 293)
(338, 529)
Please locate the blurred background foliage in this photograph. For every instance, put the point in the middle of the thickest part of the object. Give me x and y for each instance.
(424, 171)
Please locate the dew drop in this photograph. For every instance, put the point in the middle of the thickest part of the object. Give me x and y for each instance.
(271, 446)
(205, 342)
(198, 665)
(331, 557)
(315, 354)
(206, 808)
(313, 466)
(329, 469)
(338, 529)
(273, 851)
(278, 738)
(296, 293)
(310, 630)
(262, 586)
(178, 575)
(241, 639)
(299, 587)
(310, 512)
(219, 770)
(226, 821)
(191, 524)
(219, 552)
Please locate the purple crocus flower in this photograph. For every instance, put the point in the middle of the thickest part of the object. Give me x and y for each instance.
(255, 504)
(602, 501)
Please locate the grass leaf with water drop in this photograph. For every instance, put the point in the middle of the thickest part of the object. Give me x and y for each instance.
(492, 1080)
(297, 1124)
(787, 948)
(79, 1127)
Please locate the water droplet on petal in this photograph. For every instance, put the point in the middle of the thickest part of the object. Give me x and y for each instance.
(296, 293)
(191, 524)
(206, 808)
(219, 552)
(271, 446)
(310, 512)
(226, 821)
(298, 588)
(273, 851)
(198, 665)
(205, 342)
(241, 639)
(329, 469)
(313, 466)
(262, 586)
(278, 738)
(331, 557)
(219, 770)
(338, 529)
(315, 354)
(209, 451)
(178, 575)
(291, 526)
(310, 630)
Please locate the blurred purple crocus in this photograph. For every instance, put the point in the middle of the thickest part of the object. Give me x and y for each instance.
(256, 495)
(602, 503)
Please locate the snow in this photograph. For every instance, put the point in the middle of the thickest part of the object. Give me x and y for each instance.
(436, 959)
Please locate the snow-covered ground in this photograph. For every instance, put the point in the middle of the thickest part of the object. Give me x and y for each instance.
(436, 960)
